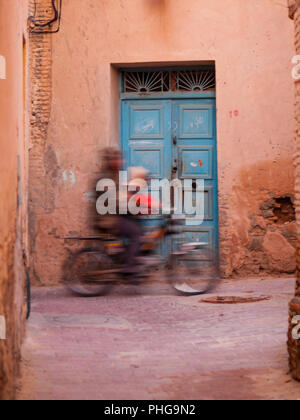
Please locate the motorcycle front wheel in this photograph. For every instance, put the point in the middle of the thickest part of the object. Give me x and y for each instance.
(194, 273)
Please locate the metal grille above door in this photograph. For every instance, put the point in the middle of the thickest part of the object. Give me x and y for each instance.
(162, 81)
(195, 81)
(146, 81)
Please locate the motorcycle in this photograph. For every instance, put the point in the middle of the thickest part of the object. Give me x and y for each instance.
(191, 269)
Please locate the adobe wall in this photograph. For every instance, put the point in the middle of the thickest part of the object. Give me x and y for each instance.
(12, 190)
(254, 118)
(294, 308)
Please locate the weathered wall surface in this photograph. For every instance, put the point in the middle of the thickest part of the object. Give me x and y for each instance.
(41, 178)
(293, 344)
(255, 144)
(12, 173)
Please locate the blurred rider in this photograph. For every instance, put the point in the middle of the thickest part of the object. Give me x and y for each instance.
(124, 226)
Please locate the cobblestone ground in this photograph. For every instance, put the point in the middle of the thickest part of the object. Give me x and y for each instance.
(146, 343)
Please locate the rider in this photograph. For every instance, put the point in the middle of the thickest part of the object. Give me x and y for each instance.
(145, 203)
(140, 176)
(121, 225)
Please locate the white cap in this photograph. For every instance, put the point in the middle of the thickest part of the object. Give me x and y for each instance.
(137, 176)
(137, 172)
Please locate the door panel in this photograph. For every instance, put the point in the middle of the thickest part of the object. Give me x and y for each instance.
(149, 157)
(195, 162)
(175, 138)
(193, 234)
(196, 120)
(194, 157)
(146, 142)
(147, 121)
(146, 136)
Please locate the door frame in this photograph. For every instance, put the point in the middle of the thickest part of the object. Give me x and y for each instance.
(173, 95)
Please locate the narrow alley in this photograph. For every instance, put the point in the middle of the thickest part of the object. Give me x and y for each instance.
(137, 137)
(148, 344)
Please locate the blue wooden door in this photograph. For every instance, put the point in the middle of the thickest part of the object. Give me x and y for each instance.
(194, 157)
(175, 139)
(146, 142)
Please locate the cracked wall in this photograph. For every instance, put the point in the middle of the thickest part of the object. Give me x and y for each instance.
(41, 156)
(294, 308)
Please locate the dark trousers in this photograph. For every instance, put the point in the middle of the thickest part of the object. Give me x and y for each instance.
(131, 230)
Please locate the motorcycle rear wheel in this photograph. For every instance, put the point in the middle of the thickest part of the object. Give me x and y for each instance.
(79, 277)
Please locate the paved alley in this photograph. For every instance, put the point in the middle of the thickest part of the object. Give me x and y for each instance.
(147, 343)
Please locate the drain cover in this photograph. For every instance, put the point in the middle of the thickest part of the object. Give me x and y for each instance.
(234, 299)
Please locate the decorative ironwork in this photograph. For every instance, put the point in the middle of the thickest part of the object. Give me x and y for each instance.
(147, 82)
(196, 81)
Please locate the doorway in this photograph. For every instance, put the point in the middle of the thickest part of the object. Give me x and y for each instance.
(168, 126)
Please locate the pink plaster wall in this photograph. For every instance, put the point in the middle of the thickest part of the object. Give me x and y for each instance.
(12, 185)
(251, 42)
